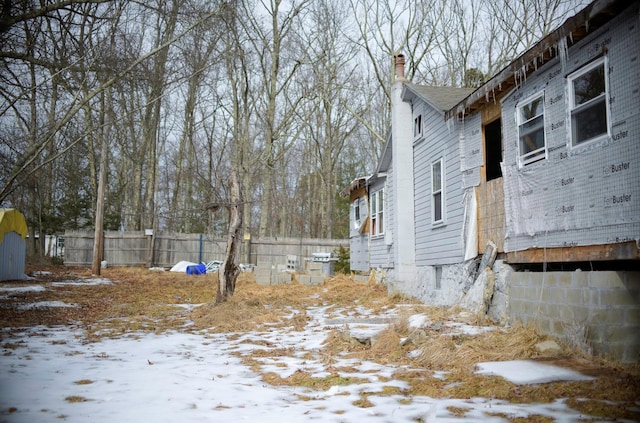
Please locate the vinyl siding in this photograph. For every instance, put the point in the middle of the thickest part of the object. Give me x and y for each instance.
(442, 243)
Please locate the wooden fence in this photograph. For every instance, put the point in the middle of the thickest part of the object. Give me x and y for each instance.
(166, 249)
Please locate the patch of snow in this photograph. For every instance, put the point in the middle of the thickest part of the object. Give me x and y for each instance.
(86, 282)
(465, 329)
(21, 289)
(44, 304)
(418, 320)
(527, 372)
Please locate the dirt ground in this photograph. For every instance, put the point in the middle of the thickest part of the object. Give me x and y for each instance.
(145, 300)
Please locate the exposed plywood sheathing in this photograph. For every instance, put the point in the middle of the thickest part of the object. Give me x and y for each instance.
(491, 214)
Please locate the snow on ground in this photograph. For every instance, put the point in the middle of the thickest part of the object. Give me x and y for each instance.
(525, 372)
(53, 374)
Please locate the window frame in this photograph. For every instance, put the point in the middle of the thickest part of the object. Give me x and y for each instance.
(377, 212)
(418, 126)
(572, 108)
(440, 191)
(532, 156)
(357, 218)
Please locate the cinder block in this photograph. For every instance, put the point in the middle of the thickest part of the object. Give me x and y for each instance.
(622, 334)
(577, 296)
(516, 292)
(616, 298)
(531, 293)
(565, 278)
(314, 268)
(632, 316)
(550, 310)
(608, 316)
(580, 279)
(607, 279)
(310, 280)
(553, 295)
(580, 313)
(263, 275)
(280, 278)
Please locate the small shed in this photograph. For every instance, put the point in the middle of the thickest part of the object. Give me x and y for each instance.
(13, 231)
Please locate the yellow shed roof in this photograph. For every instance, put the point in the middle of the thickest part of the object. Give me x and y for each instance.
(11, 220)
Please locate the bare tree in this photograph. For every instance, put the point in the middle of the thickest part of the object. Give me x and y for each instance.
(276, 70)
(230, 269)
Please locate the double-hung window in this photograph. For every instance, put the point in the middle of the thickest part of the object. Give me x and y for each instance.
(377, 213)
(531, 140)
(588, 103)
(437, 191)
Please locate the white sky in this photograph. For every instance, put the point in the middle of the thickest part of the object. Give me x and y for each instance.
(197, 378)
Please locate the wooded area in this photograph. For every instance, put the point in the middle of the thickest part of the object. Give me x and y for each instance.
(167, 96)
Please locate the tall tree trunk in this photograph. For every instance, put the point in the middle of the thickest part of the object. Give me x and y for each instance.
(98, 239)
(230, 270)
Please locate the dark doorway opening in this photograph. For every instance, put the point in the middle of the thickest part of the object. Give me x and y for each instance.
(493, 149)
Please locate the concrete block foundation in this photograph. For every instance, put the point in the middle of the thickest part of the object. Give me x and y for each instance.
(597, 311)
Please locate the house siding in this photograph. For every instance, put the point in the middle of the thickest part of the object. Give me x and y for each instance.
(585, 195)
(437, 244)
(359, 241)
(380, 254)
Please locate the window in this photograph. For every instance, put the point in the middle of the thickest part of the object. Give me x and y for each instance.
(356, 213)
(437, 193)
(359, 207)
(377, 213)
(588, 103)
(417, 126)
(531, 141)
(493, 149)
(438, 277)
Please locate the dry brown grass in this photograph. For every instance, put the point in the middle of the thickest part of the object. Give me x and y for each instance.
(306, 380)
(440, 352)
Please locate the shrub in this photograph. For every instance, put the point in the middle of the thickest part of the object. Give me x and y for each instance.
(344, 256)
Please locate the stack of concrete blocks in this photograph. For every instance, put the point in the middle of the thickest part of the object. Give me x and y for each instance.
(313, 276)
(268, 274)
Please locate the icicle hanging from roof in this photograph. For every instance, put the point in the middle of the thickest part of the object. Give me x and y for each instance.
(563, 52)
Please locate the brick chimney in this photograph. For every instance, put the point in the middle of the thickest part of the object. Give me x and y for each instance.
(399, 61)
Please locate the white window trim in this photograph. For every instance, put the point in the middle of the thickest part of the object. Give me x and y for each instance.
(602, 61)
(375, 198)
(418, 122)
(526, 159)
(442, 195)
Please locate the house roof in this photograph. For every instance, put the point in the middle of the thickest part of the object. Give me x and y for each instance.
(355, 184)
(441, 98)
(595, 15)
